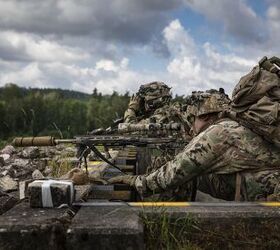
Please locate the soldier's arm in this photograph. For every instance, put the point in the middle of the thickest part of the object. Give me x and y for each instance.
(197, 158)
(130, 114)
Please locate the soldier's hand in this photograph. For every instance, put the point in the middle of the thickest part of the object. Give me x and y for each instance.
(123, 179)
(77, 175)
(134, 102)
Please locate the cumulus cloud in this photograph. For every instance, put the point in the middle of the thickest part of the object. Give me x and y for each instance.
(105, 75)
(66, 44)
(195, 67)
(190, 67)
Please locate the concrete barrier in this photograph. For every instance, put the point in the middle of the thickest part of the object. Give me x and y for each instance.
(25, 228)
(106, 227)
(120, 225)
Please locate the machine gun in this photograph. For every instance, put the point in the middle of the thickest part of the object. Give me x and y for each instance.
(85, 144)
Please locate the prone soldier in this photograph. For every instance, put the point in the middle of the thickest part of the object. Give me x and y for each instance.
(152, 104)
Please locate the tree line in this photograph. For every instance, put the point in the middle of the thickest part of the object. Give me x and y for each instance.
(56, 112)
(61, 113)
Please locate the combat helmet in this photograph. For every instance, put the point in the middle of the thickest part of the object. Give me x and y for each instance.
(155, 94)
(208, 102)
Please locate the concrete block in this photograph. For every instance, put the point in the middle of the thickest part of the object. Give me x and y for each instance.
(224, 225)
(6, 203)
(25, 228)
(105, 228)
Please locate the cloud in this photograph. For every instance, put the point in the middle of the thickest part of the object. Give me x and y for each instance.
(25, 75)
(105, 75)
(177, 39)
(120, 44)
(26, 47)
(238, 19)
(191, 67)
(129, 21)
(273, 25)
(195, 67)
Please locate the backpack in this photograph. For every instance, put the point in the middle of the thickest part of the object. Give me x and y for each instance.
(256, 100)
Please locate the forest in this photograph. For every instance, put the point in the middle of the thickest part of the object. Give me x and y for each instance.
(56, 112)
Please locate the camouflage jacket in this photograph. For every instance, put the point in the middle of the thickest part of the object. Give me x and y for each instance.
(165, 114)
(224, 148)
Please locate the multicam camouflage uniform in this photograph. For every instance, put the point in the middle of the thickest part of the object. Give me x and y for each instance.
(148, 100)
(215, 156)
(152, 105)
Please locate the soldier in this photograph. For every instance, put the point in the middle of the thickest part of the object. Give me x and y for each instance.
(148, 99)
(152, 104)
(222, 156)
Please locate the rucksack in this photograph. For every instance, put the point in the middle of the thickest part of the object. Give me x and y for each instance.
(256, 100)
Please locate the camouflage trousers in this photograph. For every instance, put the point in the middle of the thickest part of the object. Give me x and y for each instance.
(258, 186)
(261, 186)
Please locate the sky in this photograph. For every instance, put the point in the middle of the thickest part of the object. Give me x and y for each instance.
(117, 45)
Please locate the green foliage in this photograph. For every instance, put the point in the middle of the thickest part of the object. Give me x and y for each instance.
(2, 144)
(61, 113)
(164, 232)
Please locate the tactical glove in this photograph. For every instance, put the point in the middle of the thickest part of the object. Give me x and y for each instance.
(124, 179)
(134, 103)
(77, 175)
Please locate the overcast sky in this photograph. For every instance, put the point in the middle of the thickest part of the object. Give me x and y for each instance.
(120, 44)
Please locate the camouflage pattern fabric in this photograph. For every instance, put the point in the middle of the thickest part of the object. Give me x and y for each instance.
(150, 97)
(130, 116)
(207, 102)
(222, 150)
(167, 113)
(255, 103)
(263, 185)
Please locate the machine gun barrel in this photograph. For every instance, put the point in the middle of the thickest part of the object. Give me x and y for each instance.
(94, 140)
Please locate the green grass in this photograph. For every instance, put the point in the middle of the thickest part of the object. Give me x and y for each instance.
(60, 168)
(164, 232)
